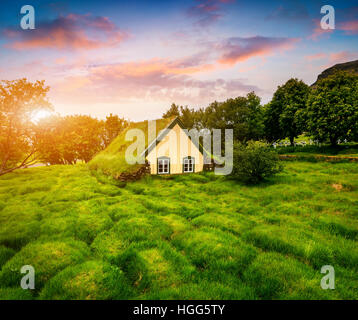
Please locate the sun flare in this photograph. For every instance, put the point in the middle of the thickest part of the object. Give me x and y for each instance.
(40, 114)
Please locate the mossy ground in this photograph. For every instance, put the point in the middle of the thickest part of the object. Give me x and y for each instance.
(196, 236)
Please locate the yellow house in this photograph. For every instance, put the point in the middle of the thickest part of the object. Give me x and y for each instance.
(174, 152)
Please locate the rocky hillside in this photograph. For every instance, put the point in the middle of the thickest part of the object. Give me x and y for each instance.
(347, 66)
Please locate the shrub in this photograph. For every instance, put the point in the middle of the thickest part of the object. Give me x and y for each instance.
(254, 162)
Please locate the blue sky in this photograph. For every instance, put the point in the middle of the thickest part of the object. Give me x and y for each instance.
(136, 58)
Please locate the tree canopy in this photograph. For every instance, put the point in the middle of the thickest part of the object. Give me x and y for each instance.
(66, 140)
(284, 113)
(19, 99)
(332, 108)
(242, 114)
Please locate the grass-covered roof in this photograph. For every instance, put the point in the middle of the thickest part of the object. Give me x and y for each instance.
(111, 161)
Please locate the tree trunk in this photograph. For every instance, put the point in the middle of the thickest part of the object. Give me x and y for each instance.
(292, 141)
(24, 163)
(333, 141)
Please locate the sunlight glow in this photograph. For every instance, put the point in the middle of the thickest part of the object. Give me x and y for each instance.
(40, 114)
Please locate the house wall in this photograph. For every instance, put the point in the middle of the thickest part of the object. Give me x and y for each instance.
(176, 145)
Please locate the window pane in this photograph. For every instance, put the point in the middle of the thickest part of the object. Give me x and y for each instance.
(166, 166)
(160, 166)
(163, 166)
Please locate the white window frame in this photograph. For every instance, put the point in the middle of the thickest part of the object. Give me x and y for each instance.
(190, 162)
(163, 161)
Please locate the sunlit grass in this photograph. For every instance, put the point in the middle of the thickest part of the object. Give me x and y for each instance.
(196, 236)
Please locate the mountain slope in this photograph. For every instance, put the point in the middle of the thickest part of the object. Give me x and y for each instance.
(347, 66)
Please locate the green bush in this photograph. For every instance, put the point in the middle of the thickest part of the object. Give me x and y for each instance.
(254, 162)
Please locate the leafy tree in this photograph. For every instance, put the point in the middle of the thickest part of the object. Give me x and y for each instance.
(49, 138)
(113, 126)
(87, 134)
(215, 116)
(273, 131)
(172, 112)
(284, 113)
(70, 139)
(254, 162)
(247, 118)
(19, 99)
(243, 114)
(186, 115)
(332, 108)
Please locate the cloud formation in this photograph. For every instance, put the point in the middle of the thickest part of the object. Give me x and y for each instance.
(294, 11)
(315, 56)
(207, 11)
(332, 57)
(240, 49)
(67, 32)
(350, 27)
(151, 80)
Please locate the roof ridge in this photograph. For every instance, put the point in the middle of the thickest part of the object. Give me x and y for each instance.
(164, 132)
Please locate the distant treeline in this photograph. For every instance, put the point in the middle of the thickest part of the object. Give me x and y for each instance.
(66, 140)
(328, 112)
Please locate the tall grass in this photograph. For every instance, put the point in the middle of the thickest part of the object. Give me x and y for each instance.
(196, 236)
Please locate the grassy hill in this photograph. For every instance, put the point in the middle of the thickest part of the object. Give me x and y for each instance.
(351, 66)
(196, 236)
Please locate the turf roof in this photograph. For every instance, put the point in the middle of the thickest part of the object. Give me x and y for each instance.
(112, 160)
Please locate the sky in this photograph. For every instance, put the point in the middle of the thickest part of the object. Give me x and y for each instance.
(135, 58)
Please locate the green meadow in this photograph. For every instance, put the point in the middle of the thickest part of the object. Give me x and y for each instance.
(196, 236)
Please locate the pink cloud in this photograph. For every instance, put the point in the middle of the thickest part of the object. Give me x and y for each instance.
(342, 56)
(68, 32)
(240, 49)
(149, 80)
(207, 11)
(316, 56)
(350, 27)
(141, 69)
(318, 31)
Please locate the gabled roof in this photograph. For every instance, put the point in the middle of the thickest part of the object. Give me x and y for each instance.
(164, 133)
